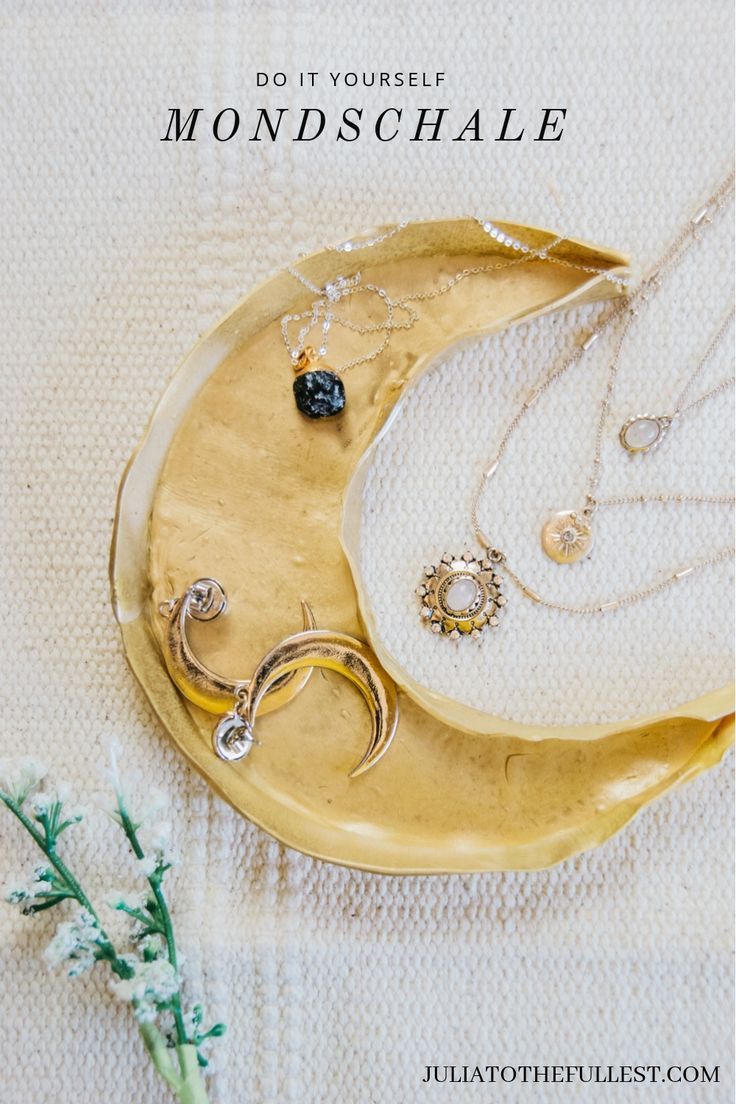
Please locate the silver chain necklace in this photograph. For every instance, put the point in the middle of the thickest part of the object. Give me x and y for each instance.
(462, 595)
(318, 390)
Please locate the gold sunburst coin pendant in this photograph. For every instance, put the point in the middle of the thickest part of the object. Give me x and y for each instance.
(566, 537)
(460, 596)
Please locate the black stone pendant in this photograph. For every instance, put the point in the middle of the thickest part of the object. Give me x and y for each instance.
(319, 394)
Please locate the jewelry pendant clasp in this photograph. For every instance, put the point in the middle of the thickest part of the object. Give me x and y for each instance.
(590, 507)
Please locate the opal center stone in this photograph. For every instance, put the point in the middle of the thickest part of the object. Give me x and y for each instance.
(461, 594)
(642, 433)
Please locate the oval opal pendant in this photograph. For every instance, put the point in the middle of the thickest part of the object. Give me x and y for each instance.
(643, 432)
(566, 537)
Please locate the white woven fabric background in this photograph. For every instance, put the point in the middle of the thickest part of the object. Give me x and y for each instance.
(118, 251)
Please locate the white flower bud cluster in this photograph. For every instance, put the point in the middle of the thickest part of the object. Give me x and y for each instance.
(76, 942)
(44, 803)
(160, 851)
(153, 984)
(148, 978)
(21, 777)
(20, 890)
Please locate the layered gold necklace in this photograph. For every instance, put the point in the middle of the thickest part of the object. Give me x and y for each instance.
(461, 596)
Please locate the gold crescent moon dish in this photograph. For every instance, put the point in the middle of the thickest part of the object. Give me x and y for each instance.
(232, 486)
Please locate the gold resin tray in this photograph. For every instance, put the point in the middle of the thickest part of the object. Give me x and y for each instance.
(231, 482)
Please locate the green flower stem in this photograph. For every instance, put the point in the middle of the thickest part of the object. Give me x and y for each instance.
(160, 1055)
(187, 1085)
(45, 844)
(192, 1089)
(50, 852)
(168, 931)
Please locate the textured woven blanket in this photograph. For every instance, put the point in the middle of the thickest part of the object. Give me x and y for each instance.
(119, 250)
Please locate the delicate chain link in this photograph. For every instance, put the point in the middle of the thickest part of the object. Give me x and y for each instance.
(342, 288)
(304, 280)
(647, 290)
(625, 599)
(637, 500)
(596, 469)
(559, 370)
(351, 246)
(715, 341)
(717, 390)
(648, 287)
(478, 270)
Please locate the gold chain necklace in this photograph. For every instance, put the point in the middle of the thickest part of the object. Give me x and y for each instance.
(462, 595)
(568, 534)
(642, 433)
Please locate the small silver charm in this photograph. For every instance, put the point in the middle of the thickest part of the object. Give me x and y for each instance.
(207, 600)
(232, 737)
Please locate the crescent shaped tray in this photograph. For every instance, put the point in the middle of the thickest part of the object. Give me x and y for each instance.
(231, 482)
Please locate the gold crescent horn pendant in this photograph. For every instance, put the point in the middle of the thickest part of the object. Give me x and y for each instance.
(336, 652)
(205, 600)
(280, 676)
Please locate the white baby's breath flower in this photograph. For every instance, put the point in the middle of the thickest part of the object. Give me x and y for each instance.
(107, 803)
(16, 891)
(119, 899)
(75, 942)
(145, 1012)
(44, 802)
(41, 803)
(76, 813)
(81, 963)
(157, 837)
(152, 946)
(130, 789)
(22, 890)
(160, 852)
(154, 983)
(140, 803)
(40, 883)
(155, 803)
(147, 865)
(20, 777)
(114, 754)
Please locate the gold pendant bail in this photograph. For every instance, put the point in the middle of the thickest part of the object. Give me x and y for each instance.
(305, 359)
